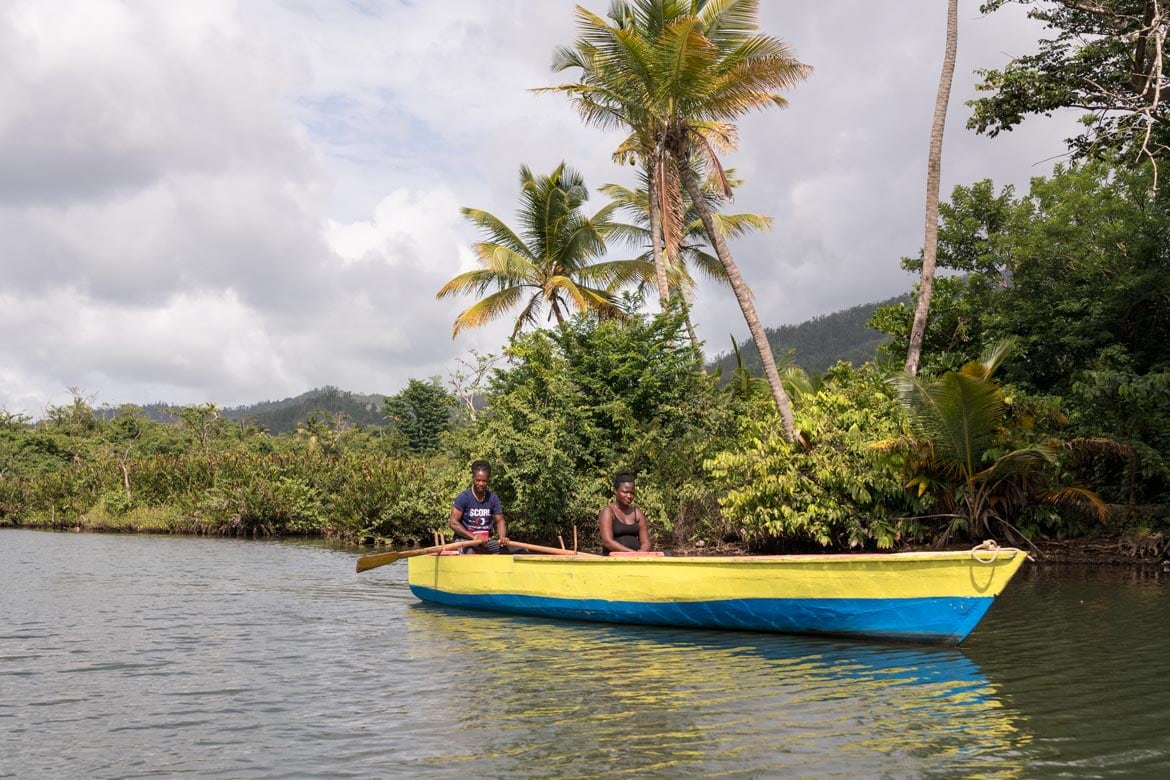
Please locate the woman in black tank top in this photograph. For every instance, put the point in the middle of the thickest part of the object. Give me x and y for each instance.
(622, 525)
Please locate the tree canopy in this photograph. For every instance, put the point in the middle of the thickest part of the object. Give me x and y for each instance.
(1105, 57)
(553, 259)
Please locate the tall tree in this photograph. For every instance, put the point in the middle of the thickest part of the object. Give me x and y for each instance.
(614, 91)
(933, 177)
(552, 259)
(1108, 58)
(420, 412)
(677, 73)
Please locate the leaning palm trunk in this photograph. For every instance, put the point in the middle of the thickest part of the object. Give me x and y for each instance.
(743, 296)
(687, 303)
(933, 174)
(652, 184)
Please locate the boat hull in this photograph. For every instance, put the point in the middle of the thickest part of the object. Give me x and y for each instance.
(924, 597)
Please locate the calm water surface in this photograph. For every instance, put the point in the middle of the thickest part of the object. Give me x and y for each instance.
(128, 657)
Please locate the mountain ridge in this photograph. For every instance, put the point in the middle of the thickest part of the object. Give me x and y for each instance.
(815, 344)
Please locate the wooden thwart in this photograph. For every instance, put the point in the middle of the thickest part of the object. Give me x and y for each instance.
(549, 550)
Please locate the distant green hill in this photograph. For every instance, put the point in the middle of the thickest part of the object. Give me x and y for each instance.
(286, 416)
(817, 343)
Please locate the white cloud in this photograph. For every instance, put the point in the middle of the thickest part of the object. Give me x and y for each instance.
(185, 349)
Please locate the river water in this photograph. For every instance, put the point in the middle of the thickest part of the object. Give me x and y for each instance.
(141, 656)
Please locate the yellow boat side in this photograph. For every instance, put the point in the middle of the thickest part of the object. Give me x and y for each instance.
(929, 596)
(895, 575)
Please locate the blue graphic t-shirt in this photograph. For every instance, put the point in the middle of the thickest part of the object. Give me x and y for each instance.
(477, 515)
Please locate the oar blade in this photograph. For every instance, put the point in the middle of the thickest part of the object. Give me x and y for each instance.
(367, 562)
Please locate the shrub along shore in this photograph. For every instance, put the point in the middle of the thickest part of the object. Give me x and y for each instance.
(562, 410)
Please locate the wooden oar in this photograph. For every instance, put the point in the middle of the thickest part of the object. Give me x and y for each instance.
(381, 559)
(549, 550)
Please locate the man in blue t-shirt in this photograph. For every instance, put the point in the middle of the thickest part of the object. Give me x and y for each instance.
(476, 509)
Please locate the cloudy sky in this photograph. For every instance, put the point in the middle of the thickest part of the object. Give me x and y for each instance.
(233, 202)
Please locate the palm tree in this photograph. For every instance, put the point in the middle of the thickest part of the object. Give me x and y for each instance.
(675, 73)
(614, 90)
(956, 450)
(690, 249)
(933, 175)
(549, 261)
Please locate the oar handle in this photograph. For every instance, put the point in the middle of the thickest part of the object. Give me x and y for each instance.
(367, 562)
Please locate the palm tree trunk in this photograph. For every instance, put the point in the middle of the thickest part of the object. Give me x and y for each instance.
(933, 175)
(653, 168)
(743, 295)
(687, 303)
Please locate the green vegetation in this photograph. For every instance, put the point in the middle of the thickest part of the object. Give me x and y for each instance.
(1108, 58)
(1077, 274)
(1040, 407)
(834, 489)
(966, 455)
(283, 416)
(420, 414)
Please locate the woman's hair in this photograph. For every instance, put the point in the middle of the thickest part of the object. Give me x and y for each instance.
(621, 478)
(481, 465)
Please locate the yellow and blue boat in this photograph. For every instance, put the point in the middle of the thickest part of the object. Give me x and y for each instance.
(935, 597)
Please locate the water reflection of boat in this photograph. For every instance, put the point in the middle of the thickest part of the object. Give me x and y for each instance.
(603, 700)
(926, 596)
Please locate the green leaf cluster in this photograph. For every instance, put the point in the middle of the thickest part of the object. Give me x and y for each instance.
(836, 490)
(1107, 58)
(421, 412)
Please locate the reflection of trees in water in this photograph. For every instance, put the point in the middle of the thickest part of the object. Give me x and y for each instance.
(586, 699)
(1081, 653)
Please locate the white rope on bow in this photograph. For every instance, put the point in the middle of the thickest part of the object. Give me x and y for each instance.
(989, 545)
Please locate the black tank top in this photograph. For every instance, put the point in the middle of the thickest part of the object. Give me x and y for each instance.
(625, 533)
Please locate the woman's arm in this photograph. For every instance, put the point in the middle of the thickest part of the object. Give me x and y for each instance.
(643, 533)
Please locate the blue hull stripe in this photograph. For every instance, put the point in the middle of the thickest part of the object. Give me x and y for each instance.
(943, 620)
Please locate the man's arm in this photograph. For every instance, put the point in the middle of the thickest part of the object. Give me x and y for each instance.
(498, 516)
(456, 523)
